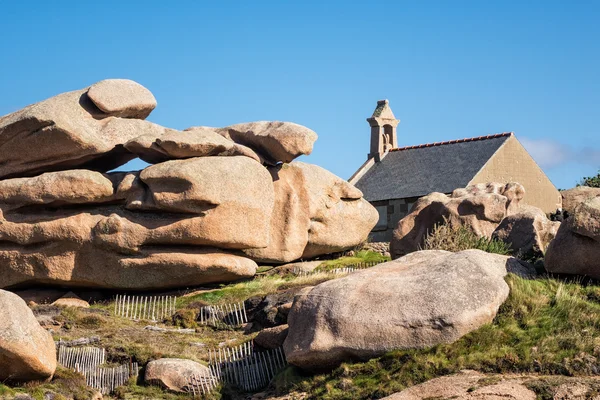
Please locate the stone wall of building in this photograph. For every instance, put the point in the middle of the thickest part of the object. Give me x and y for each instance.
(390, 213)
(512, 163)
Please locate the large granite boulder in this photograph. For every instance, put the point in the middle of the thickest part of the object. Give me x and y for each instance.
(176, 374)
(480, 207)
(312, 209)
(573, 197)
(528, 232)
(275, 141)
(122, 98)
(576, 248)
(418, 301)
(165, 144)
(71, 131)
(27, 351)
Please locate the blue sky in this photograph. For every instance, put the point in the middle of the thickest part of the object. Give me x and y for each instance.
(451, 69)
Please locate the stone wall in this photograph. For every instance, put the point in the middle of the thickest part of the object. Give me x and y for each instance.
(390, 213)
(512, 163)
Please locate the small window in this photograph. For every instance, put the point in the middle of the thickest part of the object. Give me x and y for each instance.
(382, 222)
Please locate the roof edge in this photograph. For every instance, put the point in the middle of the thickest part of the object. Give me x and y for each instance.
(474, 139)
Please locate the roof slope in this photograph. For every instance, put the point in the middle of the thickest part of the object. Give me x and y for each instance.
(437, 167)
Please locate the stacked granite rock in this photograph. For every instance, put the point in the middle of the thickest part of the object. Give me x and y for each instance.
(214, 202)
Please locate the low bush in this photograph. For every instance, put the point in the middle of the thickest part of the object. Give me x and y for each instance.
(454, 237)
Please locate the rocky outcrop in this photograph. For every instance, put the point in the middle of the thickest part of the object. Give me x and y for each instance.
(174, 373)
(167, 144)
(312, 208)
(479, 207)
(528, 232)
(274, 141)
(27, 351)
(67, 131)
(576, 248)
(430, 297)
(204, 212)
(573, 197)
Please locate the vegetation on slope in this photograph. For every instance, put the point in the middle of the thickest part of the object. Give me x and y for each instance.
(452, 237)
(546, 326)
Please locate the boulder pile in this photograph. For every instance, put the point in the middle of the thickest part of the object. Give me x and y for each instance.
(216, 200)
(488, 210)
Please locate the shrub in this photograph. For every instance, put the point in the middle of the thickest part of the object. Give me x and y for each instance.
(454, 237)
(591, 181)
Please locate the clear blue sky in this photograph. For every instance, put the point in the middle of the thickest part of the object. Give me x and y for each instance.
(451, 69)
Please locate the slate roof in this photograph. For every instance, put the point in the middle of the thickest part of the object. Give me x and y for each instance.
(415, 171)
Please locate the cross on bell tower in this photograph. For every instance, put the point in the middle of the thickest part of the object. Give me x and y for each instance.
(383, 130)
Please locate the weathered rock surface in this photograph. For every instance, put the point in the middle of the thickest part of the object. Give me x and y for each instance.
(573, 197)
(480, 207)
(57, 188)
(174, 373)
(203, 213)
(430, 297)
(468, 385)
(529, 231)
(27, 351)
(274, 141)
(153, 267)
(164, 144)
(271, 338)
(122, 98)
(63, 132)
(576, 248)
(312, 207)
(71, 300)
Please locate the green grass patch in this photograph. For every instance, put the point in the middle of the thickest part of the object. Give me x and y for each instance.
(546, 326)
(362, 256)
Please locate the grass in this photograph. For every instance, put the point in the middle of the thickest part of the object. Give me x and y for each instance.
(362, 256)
(453, 237)
(66, 384)
(546, 326)
(260, 286)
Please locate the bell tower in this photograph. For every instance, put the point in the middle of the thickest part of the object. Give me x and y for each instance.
(383, 130)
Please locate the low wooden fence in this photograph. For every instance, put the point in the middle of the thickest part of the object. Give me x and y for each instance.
(107, 379)
(239, 366)
(223, 316)
(89, 362)
(148, 308)
(337, 271)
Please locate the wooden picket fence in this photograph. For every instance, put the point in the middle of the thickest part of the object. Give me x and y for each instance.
(239, 366)
(85, 358)
(223, 316)
(89, 360)
(148, 308)
(107, 379)
(337, 271)
(200, 385)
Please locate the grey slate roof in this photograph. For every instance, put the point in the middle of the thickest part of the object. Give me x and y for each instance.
(419, 170)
